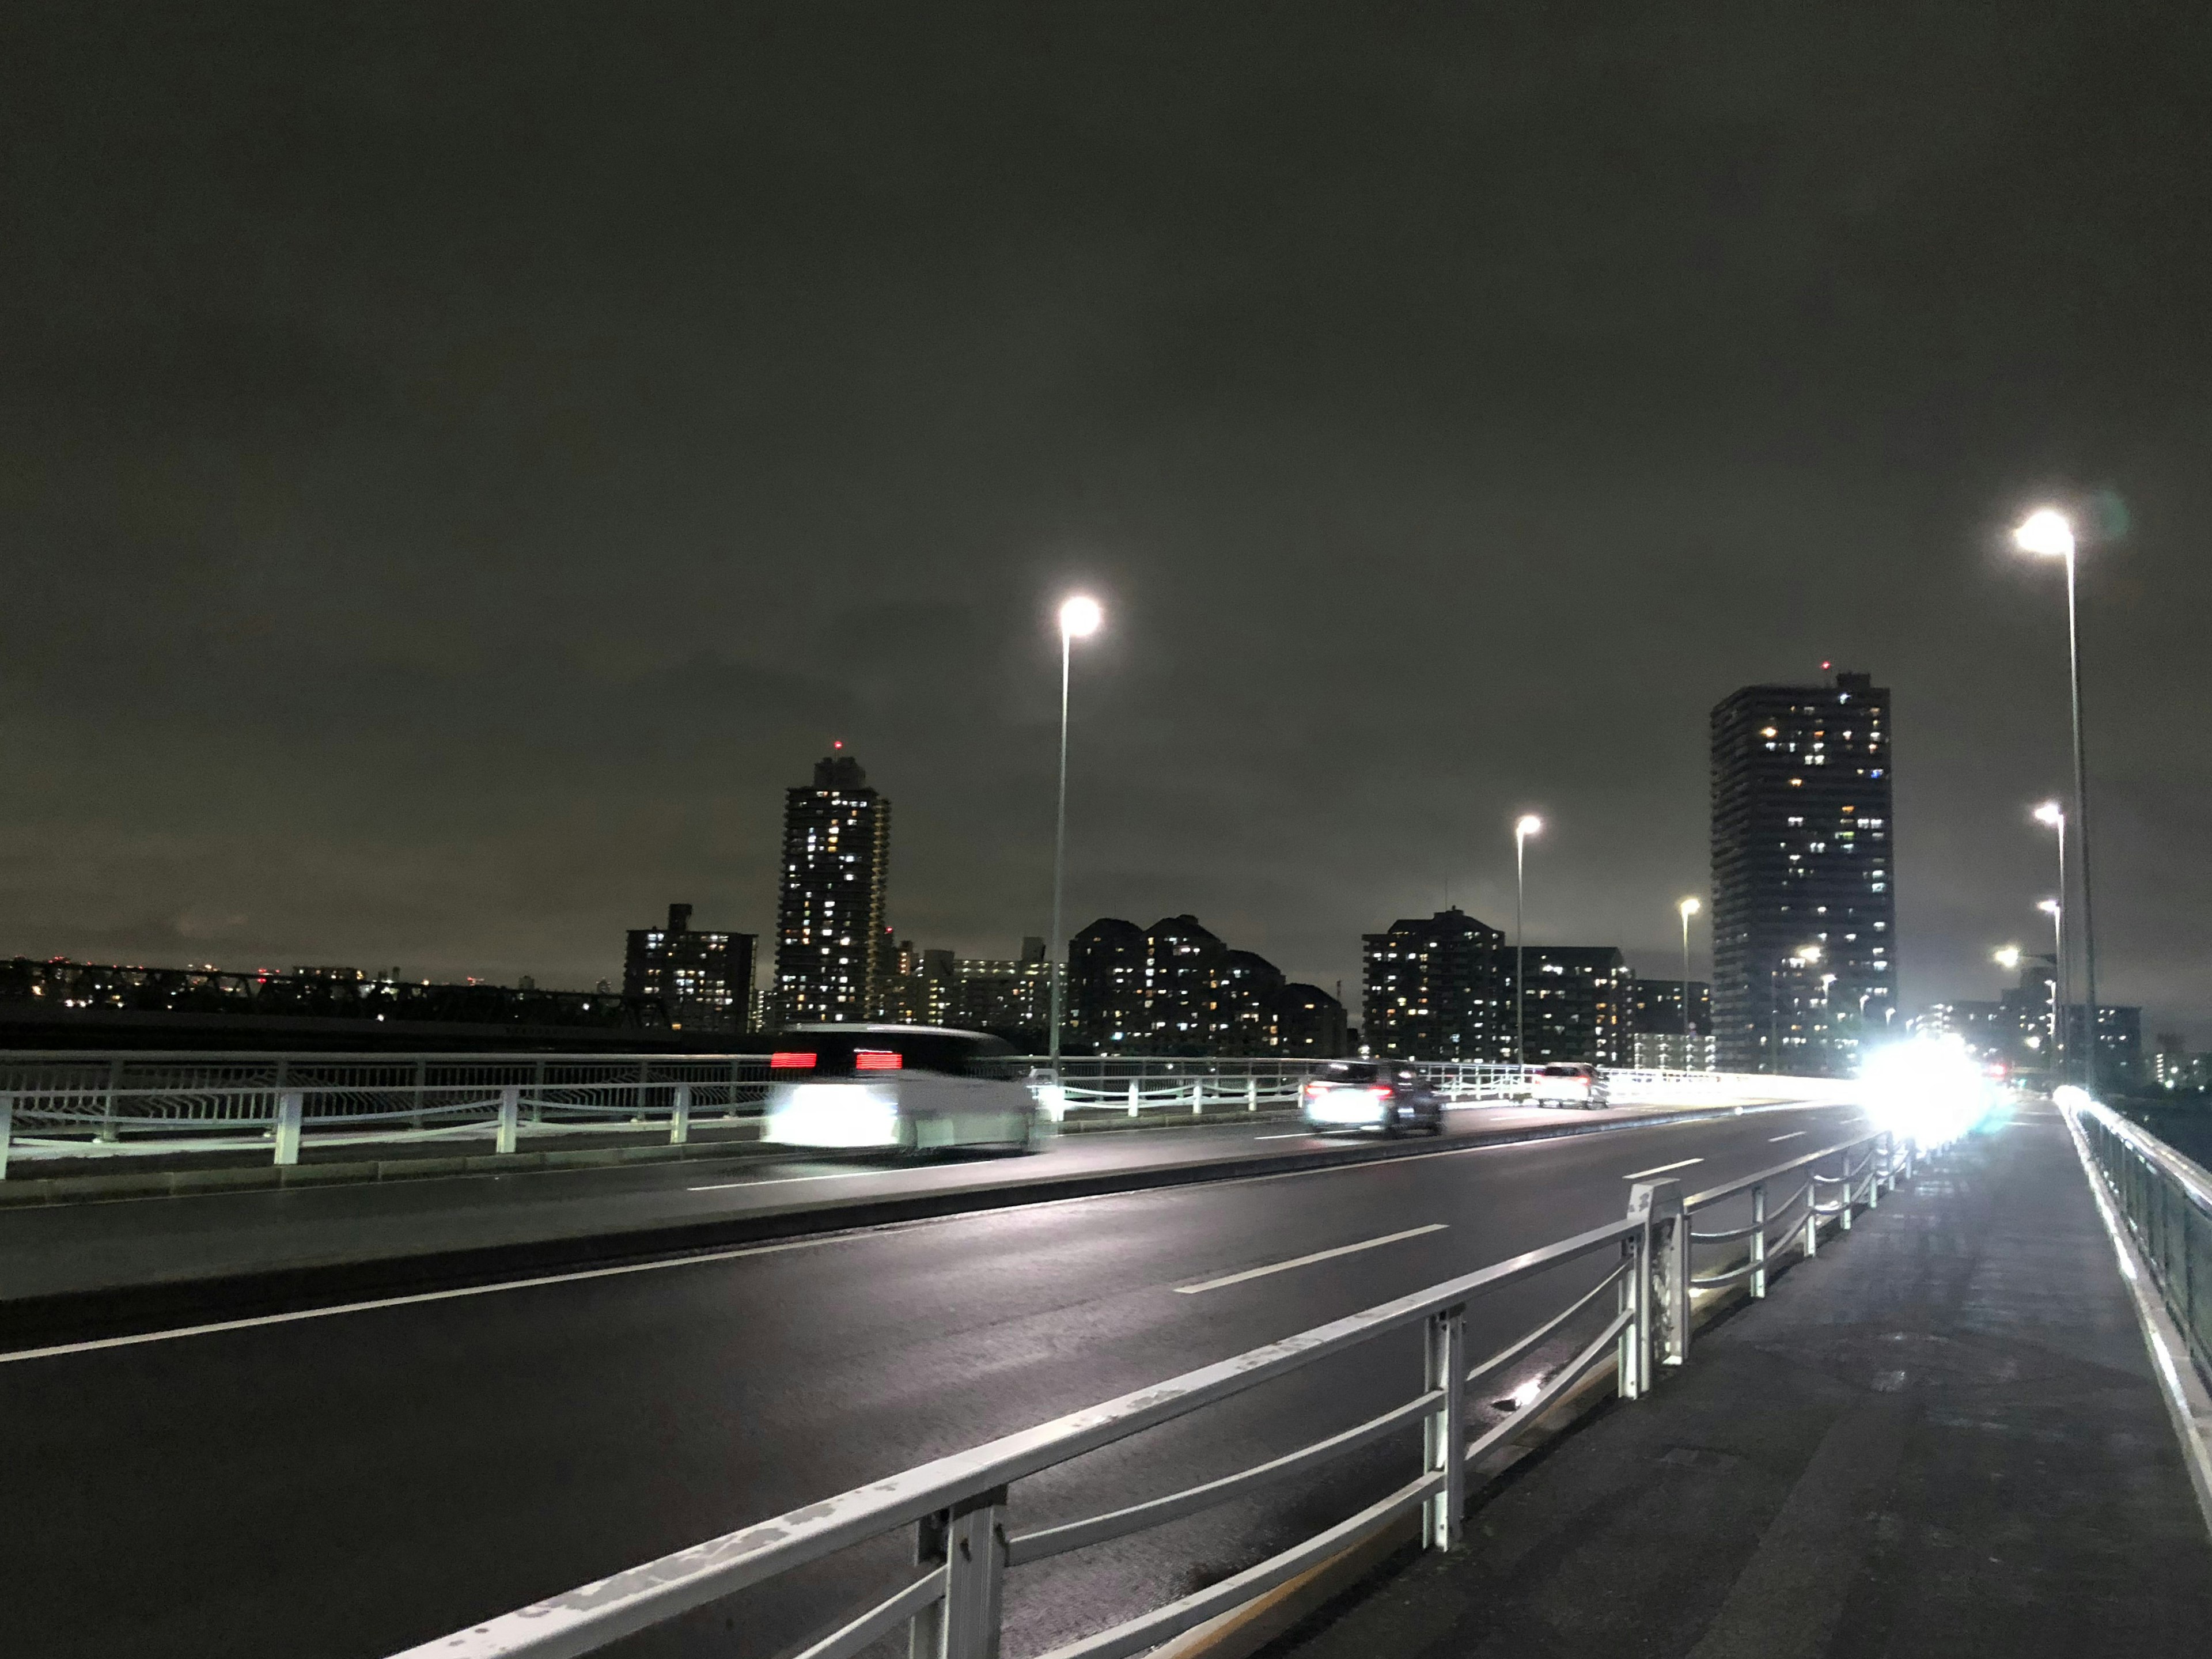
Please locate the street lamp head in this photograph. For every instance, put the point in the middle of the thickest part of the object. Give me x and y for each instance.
(1528, 825)
(2049, 907)
(2008, 958)
(1689, 907)
(2050, 813)
(1080, 617)
(2046, 533)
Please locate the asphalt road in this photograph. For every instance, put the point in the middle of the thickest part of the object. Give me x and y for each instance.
(349, 1485)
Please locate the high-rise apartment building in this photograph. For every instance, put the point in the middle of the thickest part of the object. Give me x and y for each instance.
(1804, 885)
(1578, 1006)
(1436, 988)
(704, 979)
(831, 938)
(1175, 988)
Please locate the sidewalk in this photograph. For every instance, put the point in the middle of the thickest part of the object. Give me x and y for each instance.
(1940, 1438)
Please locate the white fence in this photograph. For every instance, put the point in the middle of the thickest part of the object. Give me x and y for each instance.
(77, 1106)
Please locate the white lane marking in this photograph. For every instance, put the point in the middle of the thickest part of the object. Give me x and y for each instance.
(102, 1343)
(785, 1180)
(1306, 1260)
(1775, 1139)
(1301, 1134)
(1663, 1169)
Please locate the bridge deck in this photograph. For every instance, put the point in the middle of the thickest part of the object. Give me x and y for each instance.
(1942, 1439)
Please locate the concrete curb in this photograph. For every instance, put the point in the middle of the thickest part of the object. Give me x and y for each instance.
(48, 1321)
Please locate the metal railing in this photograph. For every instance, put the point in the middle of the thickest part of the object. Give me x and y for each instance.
(2166, 1200)
(965, 1535)
(95, 1105)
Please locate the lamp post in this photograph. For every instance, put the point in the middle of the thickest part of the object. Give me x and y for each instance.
(2050, 813)
(2047, 533)
(1688, 906)
(2062, 1049)
(1523, 827)
(1080, 617)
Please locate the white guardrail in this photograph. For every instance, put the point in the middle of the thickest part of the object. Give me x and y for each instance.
(79, 1105)
(2166, 1200)
(964, 1533)
(62, 1105)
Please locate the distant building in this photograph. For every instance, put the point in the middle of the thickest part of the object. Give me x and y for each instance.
(63, 1004)
(1175, 988)
(1011, 998)
(1578, 1005)
(1802, 844)
(1106, 986)
(1309, 1023)
(2026, 1030)
(829, 947)
(1435, 988)
(1658, 1040)
(704, 979)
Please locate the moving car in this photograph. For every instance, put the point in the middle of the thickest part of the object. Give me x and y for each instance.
(1568, 1083)
(1376, 1095)
(901, 1088)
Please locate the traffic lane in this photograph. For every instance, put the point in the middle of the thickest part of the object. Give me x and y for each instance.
(65, 1248)
(481, 1454)
(691, 1403)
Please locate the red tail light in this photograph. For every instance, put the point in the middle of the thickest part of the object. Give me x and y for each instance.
(877, 1060)
(791, 1062)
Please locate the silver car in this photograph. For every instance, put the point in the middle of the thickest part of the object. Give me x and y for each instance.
(897, 1088)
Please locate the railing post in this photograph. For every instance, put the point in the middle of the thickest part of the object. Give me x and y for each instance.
(1443, 1431)
(1877, 1172)
(1132, 1097)
(1812, 1214)
(974, 1574)
(7, 1130)
(1758, 1241)
(108, 1131)
(1252, 1093)
(1670, 1259)
(680, 1118)
(288, 1126)
(510, 1112)
(1656, 1284)
(1843, 1206)
(1197, 1096)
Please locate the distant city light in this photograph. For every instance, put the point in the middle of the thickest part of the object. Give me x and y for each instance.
(2045, 532)
(1080, 617)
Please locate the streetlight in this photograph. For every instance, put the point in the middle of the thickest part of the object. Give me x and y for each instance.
(2006, 957)
(1688, 906)
(2061, 1050)
(1523, 827)
(1080, 617)
(2052, 813)
(2047, 533)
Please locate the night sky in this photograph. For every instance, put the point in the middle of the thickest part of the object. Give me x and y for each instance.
(460, 464)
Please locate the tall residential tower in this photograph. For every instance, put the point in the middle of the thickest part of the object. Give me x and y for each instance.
(1804, 892)
(830, 939)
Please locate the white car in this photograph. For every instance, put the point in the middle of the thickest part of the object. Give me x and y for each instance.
(1567, 1083)
(897, 1088)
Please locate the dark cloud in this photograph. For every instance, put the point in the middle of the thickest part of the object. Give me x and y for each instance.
(458, 466)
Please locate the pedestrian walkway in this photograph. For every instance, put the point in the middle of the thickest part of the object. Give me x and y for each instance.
(1942, 1438)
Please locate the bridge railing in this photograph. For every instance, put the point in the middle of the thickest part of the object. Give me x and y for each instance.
(1630, 1294)
(73, 1105)
(2166, 1200)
